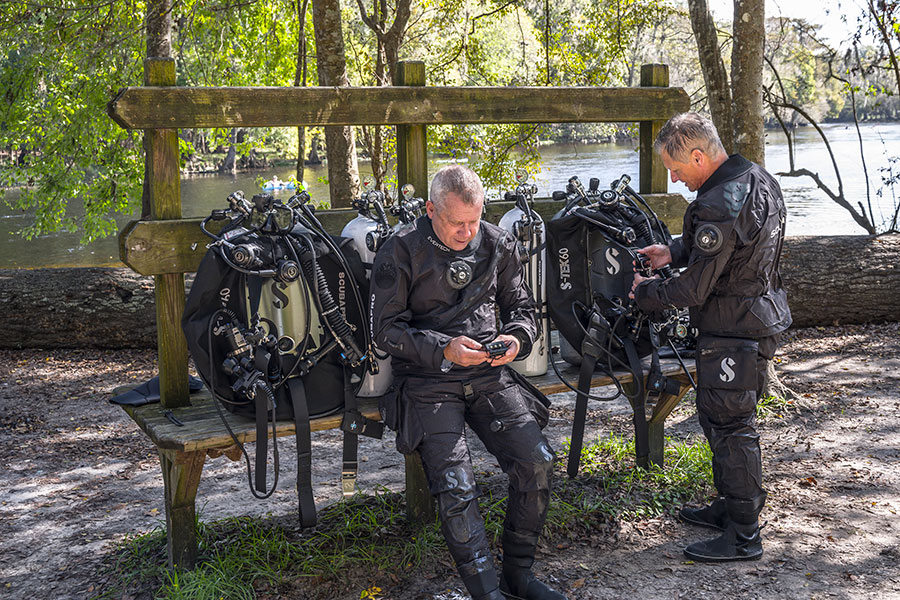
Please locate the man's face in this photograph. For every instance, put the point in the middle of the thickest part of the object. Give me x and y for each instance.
(692, 173)
(456, 222)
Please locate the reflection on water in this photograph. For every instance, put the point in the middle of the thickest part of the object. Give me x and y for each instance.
(810, 211)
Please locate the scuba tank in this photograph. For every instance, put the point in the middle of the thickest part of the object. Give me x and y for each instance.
(527, 227)
(367, 231)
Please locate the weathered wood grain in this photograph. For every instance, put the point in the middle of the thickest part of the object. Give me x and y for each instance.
(173, 107)
(654, 176)
(155, 247)
(412, 141)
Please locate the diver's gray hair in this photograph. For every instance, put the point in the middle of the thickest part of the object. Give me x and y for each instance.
(457, 179)
(685, 132)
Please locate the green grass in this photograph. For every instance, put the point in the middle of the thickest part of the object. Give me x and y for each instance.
(773, 407)
(367, 539)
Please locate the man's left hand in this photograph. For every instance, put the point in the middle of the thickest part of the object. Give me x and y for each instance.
(511, 351)
(638, 280)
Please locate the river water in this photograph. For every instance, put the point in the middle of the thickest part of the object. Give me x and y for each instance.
(810, 211)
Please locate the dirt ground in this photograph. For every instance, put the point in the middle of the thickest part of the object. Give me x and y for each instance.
(77, 477)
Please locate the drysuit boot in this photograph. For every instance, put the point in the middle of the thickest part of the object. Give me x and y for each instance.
(741, 539)
(737, 542)
(518, 581)
(480, 579)
(714, 515)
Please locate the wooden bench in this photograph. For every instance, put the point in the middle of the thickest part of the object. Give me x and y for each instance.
(183, 449)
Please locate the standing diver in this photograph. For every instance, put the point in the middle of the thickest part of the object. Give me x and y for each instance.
(731, 246)
(451, 306)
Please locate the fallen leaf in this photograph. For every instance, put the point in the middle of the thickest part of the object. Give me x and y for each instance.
(578, 584)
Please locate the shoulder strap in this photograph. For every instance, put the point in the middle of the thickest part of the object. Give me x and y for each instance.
(353, 425)
(304, 452)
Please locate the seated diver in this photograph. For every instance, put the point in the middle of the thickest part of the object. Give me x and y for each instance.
(438, 287)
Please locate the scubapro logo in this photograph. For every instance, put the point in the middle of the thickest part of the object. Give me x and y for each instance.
(564, 269)
(280, 300)
(613, 266)
(727, 373)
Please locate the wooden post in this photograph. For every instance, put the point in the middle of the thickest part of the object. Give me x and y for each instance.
(181, 477)
(412, 167)
(419, 502)
(654, 177)
(165, 204)
(412, 144)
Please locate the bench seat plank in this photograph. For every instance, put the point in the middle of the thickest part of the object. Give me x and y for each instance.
(203, 428)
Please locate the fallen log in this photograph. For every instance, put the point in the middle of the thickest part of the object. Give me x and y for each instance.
(830, 279)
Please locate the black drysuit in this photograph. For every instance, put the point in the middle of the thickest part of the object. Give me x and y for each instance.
(415, 312)
(731, 245)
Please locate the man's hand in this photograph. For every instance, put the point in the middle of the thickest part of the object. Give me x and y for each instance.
(638, 280)
(512, 350)
(465, 352)
(659, 255)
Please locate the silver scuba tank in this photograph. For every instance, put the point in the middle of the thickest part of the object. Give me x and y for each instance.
(527, 227)
(367, 231)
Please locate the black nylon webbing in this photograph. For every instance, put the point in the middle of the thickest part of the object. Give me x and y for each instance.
(588, 363)
(262, 439)
(304, 452)
(641, 428)
(350, 465)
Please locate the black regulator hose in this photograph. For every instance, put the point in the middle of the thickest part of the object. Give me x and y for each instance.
(270, 395)
(330, 310)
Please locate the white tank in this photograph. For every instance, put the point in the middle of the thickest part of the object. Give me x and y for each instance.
(536, 276)
(357, 230)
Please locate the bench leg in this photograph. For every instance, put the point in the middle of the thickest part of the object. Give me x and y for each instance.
(419, 503)
(181, 476)
(661, 411)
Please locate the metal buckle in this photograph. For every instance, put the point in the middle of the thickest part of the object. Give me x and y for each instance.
(348, 478)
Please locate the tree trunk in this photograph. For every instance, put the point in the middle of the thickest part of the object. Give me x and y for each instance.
(77, 308)
(842, 279)
(300, 80)
(229, 165)
(746, 79)
(718, 91)
(159, 45)
(343, 171)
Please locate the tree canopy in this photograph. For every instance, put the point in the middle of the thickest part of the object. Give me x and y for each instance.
(60, 64)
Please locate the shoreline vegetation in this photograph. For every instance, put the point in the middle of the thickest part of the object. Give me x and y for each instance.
(261, 160)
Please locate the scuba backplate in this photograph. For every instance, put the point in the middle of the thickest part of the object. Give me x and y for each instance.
(276, 325)
(592, 244)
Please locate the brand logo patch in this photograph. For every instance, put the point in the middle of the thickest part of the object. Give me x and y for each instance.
(564, 270)
(613, 266)
(727, 373)
(385, 275)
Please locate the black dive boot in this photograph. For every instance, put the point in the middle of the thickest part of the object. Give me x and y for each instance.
(480, 579)
(737, 542)
(518, 581)
(741, 539)
(714, 515)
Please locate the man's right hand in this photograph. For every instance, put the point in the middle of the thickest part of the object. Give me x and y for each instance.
(659, 255)
(465, 352)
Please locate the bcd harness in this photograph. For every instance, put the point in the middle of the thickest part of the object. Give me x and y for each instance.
(264, 328)
(590, 243)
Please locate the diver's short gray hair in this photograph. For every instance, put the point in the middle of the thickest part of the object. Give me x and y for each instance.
(686, 131)
(457, 179)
